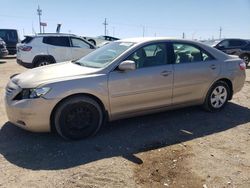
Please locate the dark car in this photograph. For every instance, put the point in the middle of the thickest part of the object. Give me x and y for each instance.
(10, 36)
(239, 47)
(3, 49)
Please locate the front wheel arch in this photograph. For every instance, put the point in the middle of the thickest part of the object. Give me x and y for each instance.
(52, 115)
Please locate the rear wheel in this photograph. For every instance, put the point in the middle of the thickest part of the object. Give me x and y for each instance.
(246, 58)
(78, 117)
(217, 96)
(43, 62)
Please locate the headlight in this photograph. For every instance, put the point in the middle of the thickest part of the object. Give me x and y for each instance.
(38, 92)
(32, 93)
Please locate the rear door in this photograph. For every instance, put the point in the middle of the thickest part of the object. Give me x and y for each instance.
(58, 47)
(194, 71)
(80, 48)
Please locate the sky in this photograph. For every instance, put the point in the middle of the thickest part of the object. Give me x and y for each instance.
(197, 19)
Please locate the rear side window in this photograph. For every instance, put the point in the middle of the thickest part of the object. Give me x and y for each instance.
(27, 40)
(57, 41)
(186, 53)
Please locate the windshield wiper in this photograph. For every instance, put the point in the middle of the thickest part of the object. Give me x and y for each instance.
(76, 62)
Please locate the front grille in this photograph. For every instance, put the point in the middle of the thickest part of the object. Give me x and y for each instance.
(9, 90)
(12, 89)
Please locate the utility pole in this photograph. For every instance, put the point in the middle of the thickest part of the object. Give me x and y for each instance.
(113, 31)
(105, 26)
(183, 35)
(220, 32)
(39, 13)
(143, 30)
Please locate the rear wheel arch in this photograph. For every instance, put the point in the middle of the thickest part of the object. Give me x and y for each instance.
(52, 115)
(39, 57)
(214, 98)
(230, 85)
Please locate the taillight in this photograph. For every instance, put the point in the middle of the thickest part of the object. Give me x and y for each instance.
(25, 48)
(242, 65)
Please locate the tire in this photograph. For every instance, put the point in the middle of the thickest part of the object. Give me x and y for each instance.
(246, 58)
(43, 61)
(217, 97)
(78, 117)
(92, 41)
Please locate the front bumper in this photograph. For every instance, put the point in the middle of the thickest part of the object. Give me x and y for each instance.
(3, 52)
(30, 114)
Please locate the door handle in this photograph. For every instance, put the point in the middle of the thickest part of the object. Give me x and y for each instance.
(213, 67)
(166, 73)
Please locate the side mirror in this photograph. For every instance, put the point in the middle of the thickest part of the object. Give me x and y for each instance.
(127, 65)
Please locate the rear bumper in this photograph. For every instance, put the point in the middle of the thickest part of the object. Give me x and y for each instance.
(24, 64)
(239, 81)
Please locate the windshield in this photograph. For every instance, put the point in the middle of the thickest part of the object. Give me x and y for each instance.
(8, 35)
(104, 55)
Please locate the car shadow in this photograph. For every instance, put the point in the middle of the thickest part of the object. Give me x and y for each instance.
(120, 138)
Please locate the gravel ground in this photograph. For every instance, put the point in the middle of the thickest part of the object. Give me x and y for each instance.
(181, 148)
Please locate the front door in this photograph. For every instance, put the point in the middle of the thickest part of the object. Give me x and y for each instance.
(147, 87)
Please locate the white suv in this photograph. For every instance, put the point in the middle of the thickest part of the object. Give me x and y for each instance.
(44, 49)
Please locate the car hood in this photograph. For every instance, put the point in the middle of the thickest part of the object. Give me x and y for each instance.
(51, 73)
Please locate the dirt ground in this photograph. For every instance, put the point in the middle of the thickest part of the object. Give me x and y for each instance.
(182, 148)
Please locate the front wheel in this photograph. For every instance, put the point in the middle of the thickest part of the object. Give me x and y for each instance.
(217, 97)
(78, 117)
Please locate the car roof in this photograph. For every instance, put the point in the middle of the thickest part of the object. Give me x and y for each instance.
(155, 39)
(52, 34)
(235, 39)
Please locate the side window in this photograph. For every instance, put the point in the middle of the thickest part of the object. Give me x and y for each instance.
(236, 43)
(151, 55)
(185, 53)
(79, 43)
(57, 41)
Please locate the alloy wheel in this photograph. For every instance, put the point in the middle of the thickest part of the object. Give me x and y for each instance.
(218, 97)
